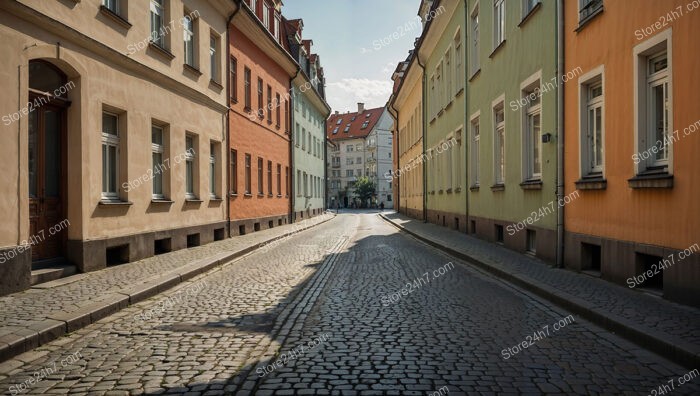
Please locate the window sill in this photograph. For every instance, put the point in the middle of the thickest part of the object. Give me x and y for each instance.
(498, 187)
(475, 74)
(529, 14)
(191, 69)
(215, 199)
(531, 185)
(474, 187)
(115, 17)
(193, 200)
(583, 22)
(432, 121)
(441, 112)
(215, 84)
(261, 195)
(449, 105)
(498, 48)
(458, 190)
(233, 195)
(248, 195)
(161, 51)
(441, 192)
(279, 195)
(162, 201)
(270, 195)
(449, 191)
(107, 202)
(651, 180)
(459, 93)
(592, 182)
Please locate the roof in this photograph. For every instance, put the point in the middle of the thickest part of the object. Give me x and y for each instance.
(353, 122)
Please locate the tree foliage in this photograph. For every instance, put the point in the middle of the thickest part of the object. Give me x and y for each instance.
(364, 188)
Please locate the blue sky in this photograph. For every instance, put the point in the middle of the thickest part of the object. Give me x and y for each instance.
(356, 42)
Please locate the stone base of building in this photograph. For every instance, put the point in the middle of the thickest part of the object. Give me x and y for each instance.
(307, 214)
(15, 269)
(413, 213)
(626, 263)
(540, 242)
(246, 226)
(98, 254)
(454, 221)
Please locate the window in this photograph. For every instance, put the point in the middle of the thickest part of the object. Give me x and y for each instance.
(459, 62)
(157, 17)
(189, 167)
(303, 139)
(448, 76)
(158, 165)
(286, 180)
(260, 176)
(189, 38)
(528, 6)
(246, 74)
(212, 169)
(306, 185)
(533, 131)
(277, 33)
(112, 5)
(297, 131)
(476, 139)
(266, 15)
(432, 104)
(499, 144)
(110, 156)
(234, 80)
(475, 40)
(234, 172)
(349, 161)
(347, 128)
(261, 111)
(359, 160)
(269, 178)
(248, 189)
(364, 126)
(654, 112)
(499, 22)
(349, 148)
(269, 104)
(587, 9)
(592, 124)
(348, 173)
(439, 100)
(279, 179)
(214, 57)
(277, 112)
(254, 6)
(455, 152)
(299, 181)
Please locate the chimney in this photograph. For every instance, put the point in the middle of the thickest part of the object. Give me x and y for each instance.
(337, 112)
(360, 107)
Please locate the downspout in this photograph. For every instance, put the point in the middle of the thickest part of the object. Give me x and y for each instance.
(423, 128)
(466, 131)
(325, 158)
(560, 135)
(228, 116)
(292, 201)
(397, 155)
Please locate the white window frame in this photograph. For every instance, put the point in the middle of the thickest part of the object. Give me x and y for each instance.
(587, 145)
(157, 13)
(455, 154)
(499, 159)
(531, 143)
(212, 169)
(214, 57)
(643, 134)
(110, 140)
(499, 22)
(190, 170)
(459, 61)
(112, 5)
(189, 32)
(474, 48)
(158, 168)
(475, 133)
(448, 76)
(528, 6)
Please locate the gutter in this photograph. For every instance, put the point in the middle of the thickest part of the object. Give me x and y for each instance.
(560, 135)
(228, 116)
(466, 131)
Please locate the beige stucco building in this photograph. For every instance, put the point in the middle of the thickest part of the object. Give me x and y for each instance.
(119, 154)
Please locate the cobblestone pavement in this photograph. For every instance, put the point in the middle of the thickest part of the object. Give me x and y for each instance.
(323, 312)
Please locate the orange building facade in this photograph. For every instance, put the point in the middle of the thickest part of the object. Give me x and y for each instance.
(260, 71)
(632, 137)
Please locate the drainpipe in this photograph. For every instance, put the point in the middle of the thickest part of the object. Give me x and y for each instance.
(423, 127)
(466, 131)
(560, 135)
(397, 182)
(228, 117)
(292, 200)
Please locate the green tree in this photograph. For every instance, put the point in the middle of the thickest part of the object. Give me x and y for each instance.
(364, 189)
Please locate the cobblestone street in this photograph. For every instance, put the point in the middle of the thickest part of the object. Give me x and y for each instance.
(329, 311)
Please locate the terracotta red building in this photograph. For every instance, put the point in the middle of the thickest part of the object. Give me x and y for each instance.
(260, 72)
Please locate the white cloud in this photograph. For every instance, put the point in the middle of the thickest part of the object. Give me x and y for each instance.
(345, 94)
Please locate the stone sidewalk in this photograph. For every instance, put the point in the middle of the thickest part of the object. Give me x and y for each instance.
(48, 311)
(669, 329)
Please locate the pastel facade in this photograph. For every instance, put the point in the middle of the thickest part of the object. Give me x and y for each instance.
(122, 154)
(632, 137)
(441, 51)
(380, 147)
(511, 124)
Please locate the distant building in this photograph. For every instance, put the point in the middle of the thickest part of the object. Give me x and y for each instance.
(355, 156)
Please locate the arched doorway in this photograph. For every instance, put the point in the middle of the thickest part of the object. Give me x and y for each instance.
(47, 160)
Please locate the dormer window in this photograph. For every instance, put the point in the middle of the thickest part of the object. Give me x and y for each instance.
(335, 130)
(365, 124)
(340, 121)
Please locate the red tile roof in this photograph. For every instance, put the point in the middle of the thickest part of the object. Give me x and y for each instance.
(353, 122)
